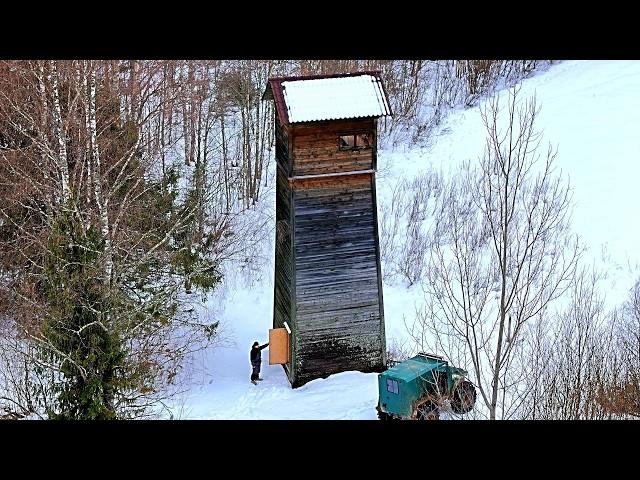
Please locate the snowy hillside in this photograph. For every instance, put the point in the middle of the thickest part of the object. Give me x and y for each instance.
(589, 110)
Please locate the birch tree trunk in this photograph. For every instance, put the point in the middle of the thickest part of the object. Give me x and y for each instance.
(101, 200)
(59, 134)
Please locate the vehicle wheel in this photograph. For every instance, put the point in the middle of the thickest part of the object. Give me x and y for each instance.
(383, 416)
(463, 398)
(428, 411)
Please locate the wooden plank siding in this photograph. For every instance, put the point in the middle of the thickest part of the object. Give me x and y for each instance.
(339, 321)
(328, 284)
(282, 146)
(315, 147)
(284, 272)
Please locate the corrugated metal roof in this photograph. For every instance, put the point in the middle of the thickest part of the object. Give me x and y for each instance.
(332, 98)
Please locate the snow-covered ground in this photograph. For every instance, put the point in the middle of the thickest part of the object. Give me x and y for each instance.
(589, 109)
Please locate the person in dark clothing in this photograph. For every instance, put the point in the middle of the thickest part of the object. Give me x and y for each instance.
(256, 360)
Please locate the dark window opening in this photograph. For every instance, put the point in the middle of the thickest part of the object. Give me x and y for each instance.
(347, 142)
(356, 141)
(392, 386)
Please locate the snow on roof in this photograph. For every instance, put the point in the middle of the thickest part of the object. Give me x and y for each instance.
(353, 96)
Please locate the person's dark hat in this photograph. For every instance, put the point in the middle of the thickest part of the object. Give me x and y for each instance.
(255, 344)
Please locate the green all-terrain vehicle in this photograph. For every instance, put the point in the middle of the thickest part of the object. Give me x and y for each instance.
(419, 387)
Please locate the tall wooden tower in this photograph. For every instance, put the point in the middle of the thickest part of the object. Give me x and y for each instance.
(328, 283)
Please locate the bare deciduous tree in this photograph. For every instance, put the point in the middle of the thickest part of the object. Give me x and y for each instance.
(406, 224)
(503, 251)
(620, 393)
(568, 357)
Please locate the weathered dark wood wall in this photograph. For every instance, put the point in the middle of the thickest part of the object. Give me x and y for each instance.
(282, 146)
(283, 301)
(328, 264)
(338, 304)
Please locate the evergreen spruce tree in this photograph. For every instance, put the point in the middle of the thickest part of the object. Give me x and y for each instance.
(82, 342)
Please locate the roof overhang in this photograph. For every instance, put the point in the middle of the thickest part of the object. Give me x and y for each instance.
(275, 91)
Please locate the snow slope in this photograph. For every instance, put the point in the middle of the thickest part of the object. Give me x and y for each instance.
(589, 109)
